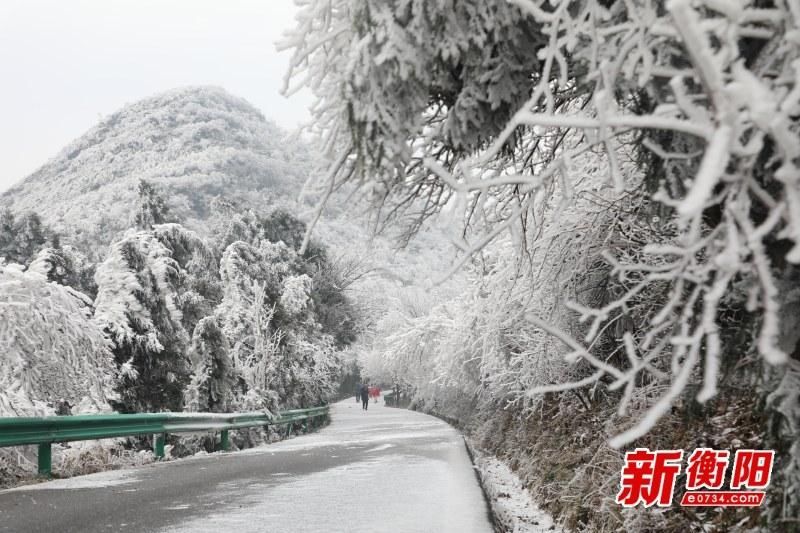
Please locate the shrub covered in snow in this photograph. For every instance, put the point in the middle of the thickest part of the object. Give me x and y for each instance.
(51, 349)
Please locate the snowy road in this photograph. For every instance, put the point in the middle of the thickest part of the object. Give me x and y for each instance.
(379, 471)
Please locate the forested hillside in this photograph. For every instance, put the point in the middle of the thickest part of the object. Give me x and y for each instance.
(196, 142)
(621, 180)
(158, 263)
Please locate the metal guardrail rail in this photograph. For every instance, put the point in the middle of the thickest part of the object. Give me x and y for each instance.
(44, 431)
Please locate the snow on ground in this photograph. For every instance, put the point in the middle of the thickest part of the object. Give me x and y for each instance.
(410, 473)
(387, 470)
(512, 504)
(387, 493)
(110, 478)
(380, 426)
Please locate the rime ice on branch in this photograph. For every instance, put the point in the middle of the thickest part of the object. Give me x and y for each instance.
(680, 118)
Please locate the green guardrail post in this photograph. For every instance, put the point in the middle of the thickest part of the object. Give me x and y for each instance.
(159, 445)
(45, 458)
(224, 440)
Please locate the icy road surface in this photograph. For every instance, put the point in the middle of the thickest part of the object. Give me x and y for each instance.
(384, 470)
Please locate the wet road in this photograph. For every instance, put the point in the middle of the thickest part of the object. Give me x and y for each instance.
(382, 470)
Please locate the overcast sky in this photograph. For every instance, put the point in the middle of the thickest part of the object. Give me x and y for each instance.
(66, 63)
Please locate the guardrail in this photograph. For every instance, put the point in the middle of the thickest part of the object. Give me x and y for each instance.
(44, 431)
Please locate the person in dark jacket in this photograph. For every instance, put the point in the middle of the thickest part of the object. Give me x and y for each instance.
(358, 392)
(364, 396)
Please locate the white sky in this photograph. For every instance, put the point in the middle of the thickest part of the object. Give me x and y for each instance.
(66, 63)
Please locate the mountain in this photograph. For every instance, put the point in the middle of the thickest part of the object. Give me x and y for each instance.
(195, 142)
(198, 144)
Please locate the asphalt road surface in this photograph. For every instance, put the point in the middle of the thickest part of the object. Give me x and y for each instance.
(383, 470)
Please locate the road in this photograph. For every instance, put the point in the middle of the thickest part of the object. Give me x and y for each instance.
(383, 470)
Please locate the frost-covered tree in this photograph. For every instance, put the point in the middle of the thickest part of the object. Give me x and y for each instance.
(152, 208)
(638, 174)
(267, 265)
(21, 237)
(401, 81)
(295, 295)
(50, 348)
(331, 279)
(658, 98)
(329, 276)
(256, 349)
(66, 265)
(231, 224)
(268, 312)
(200, 290)
(144, 296)
(316, 368)
(253, 316)
(213, 381)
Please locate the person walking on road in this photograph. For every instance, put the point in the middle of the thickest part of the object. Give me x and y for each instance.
(374, 393)
(358, 392)
(364, 396)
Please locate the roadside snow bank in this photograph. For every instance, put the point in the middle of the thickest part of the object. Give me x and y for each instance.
(512, 504)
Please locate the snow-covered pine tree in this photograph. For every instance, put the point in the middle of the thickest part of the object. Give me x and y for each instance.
(230, 224)
(199, 289)
(152, 208)
(213, 382)
(66, 265)
(21, 237)
(143, 290)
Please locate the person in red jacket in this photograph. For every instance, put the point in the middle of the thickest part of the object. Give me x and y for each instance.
(365, 396)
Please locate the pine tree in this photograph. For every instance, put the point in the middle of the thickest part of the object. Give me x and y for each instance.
(137, 306)
(66, 266)
(21, 237)
(213, 375)
(152, 208)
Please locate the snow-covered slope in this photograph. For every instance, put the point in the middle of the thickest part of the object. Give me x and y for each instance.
(196, 142)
